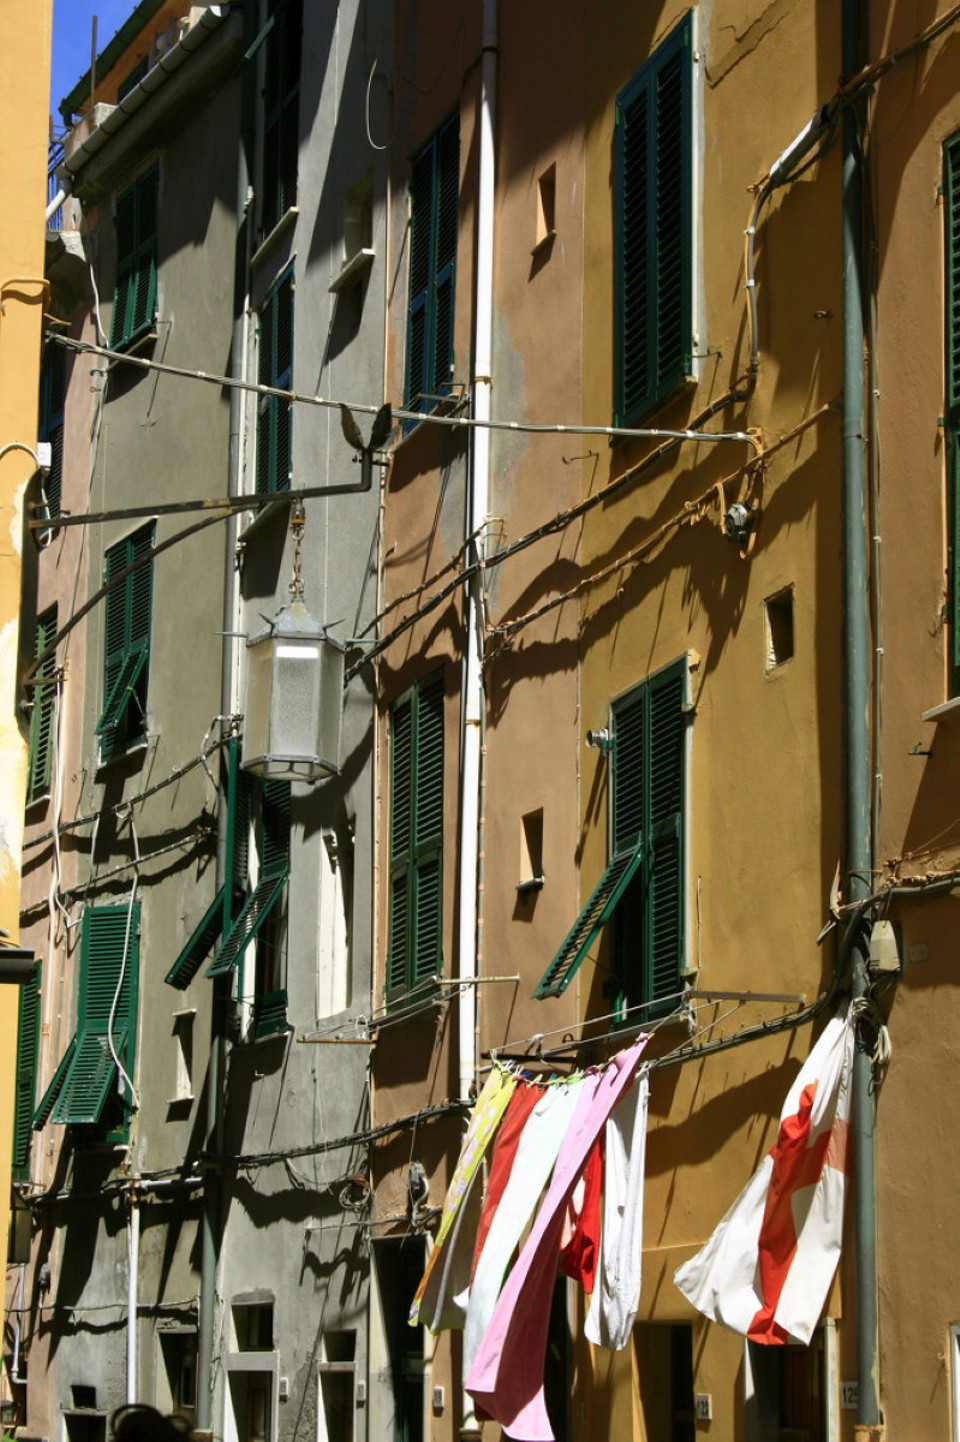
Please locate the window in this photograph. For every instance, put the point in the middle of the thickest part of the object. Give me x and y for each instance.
(25, 1085)
(43, 710)
(664, 1355)
(281, 119)
(416, 836)
(275, 368)
(642, 888)
(83, 1089)
(259, 811)
(951, 211)
(653, 228)
(434, 200)
(785, 1394)
(53, 389)
(135, 299)
(123, 720)
(399, 1267)
(336, 1373)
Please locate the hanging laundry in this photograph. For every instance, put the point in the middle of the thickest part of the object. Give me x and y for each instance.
(502, 1155)
(616, 1296)
(448, 1266)
(767, 1268)
(580, 1238)
(506, 1379)
(538, 1149)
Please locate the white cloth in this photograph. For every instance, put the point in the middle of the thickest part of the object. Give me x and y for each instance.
(616, 1294)
(766, 1270)
(536, 1154)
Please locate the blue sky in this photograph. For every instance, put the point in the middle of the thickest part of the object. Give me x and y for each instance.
(71, 40)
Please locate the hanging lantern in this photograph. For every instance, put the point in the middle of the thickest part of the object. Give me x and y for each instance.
(291, 729)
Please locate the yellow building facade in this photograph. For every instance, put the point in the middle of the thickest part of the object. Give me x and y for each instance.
(24, 88)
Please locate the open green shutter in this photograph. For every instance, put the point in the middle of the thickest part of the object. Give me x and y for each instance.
(28, 1042)
(198, 947)
(594, 916)
(274, 838)
(126, 643)
(109, 983)
(434, 216)
(47, 1102)
(275, 368)
(254, 913)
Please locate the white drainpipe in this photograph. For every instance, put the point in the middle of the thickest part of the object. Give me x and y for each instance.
(133, 1294)
(476, 514)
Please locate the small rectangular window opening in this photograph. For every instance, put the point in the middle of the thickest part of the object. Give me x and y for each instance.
(778, 612)
(546, 206)
(183, 1036)
(531, 851)
(253, 1322)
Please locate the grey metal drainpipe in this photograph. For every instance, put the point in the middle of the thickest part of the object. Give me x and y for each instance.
(859, 858)
(212, 1219)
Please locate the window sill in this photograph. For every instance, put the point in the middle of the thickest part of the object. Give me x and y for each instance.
(353, 270)
(138, 342)
(444, 406)
(136, 748)
(946, 711)
(286, 222)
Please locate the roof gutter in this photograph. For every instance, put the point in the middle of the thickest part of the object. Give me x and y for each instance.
(136, 116)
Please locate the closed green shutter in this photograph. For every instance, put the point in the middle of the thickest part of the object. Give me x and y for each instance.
(275, 368)
(434, 217)
(281, 122)
(28, 1043)
(43, 711)
(653, 262)
(642, 888)
(108, 985)
(414, 952)
(135, 296)
(126, 644)
(664, 891)
(951, 190)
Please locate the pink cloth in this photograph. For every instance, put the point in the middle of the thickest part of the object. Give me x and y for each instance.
(506, 1379)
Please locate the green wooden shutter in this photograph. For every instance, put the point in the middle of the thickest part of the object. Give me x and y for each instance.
(275, 368)
(42, 715)
(125, 225)
(428, 830)
(281, 124)
(653, 261)
(28, 1043)
(253, 914)
(951, 210)
(664, 899)
(109, 982)
(414, 951)
(588, 925)
(434, 213)
(126, 644)
(448, 200)
(135, 296)
(401, 813)
(144, 307)
(274, 831)
(421, 246)
(198, 947)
